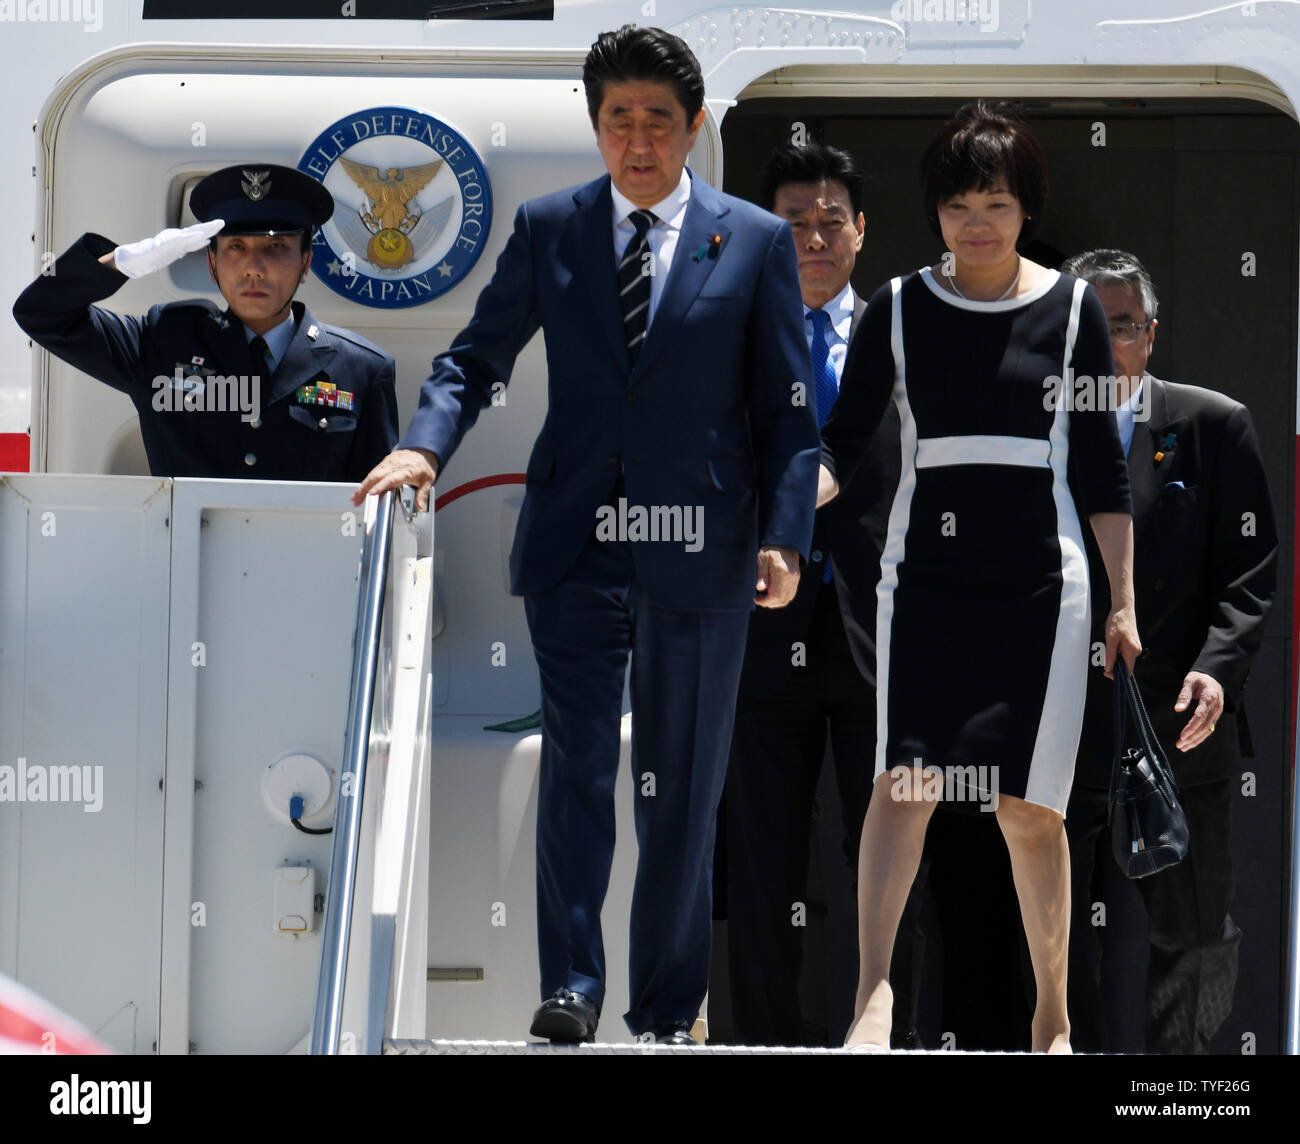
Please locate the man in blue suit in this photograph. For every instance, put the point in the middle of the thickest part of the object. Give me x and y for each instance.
(671, 488)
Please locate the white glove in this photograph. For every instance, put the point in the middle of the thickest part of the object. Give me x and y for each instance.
(137, 259)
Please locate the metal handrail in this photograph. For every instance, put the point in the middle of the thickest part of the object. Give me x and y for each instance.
(352, 778)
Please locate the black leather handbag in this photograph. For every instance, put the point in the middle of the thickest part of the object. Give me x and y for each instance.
(1148, 828)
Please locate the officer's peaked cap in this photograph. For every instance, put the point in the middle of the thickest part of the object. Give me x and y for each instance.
(261, 198)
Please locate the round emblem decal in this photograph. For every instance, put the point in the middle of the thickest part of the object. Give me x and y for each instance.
(412, 206)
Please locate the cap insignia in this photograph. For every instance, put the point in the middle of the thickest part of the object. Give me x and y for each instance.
(256, 185)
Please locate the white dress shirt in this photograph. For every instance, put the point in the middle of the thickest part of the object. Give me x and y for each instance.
(662, 237)
(1126, 415)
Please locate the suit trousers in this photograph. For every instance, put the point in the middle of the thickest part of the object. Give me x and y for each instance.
(776, 760)
(1192, 973)
(685, 674)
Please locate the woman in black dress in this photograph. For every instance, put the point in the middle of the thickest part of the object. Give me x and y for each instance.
(983, 611)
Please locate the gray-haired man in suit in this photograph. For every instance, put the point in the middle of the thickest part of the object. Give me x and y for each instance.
(1205, 571)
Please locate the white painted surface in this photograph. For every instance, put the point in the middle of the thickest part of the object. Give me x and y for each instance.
(268, 585)
(83, 681)
(107, 912)
(482, 883)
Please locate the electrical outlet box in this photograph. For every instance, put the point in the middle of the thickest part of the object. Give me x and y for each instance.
(294, 901)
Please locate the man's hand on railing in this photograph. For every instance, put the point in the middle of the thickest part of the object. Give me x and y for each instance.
(418, 467)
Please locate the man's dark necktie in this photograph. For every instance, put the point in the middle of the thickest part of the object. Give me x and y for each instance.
(634, 270)
(261, 356)
(828, 388)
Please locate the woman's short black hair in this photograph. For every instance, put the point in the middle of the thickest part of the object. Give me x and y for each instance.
(979, 143)
(810, 163)
(633, 53)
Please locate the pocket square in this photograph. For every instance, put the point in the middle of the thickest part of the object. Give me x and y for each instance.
(1175, 485)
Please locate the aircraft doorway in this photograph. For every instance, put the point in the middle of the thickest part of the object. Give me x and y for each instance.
(1204, 191)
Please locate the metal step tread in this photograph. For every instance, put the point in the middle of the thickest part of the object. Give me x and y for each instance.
(406, 1047)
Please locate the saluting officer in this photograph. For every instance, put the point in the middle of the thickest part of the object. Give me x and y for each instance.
(261, 390)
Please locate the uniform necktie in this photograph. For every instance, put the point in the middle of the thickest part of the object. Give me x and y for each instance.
(634, 270)
(261, 355)
(828, 388)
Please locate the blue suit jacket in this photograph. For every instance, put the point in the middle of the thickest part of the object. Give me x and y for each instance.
(715, 416)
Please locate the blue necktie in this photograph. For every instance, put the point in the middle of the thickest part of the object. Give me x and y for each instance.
(828, 386)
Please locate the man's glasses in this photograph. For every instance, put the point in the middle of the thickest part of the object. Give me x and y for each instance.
(1126, 333)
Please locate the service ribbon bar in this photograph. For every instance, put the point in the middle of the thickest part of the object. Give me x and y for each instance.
(326, 393)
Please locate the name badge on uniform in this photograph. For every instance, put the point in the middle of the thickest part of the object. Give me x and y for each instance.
(187, 382)
(189, 375)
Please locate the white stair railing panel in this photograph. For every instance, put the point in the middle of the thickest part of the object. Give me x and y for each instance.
(84, 588)
(371, 986)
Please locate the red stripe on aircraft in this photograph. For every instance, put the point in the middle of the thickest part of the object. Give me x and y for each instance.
(15, 453)
(473, 486)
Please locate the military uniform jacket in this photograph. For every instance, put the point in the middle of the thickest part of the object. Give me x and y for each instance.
(176, 364)
(1204, 575)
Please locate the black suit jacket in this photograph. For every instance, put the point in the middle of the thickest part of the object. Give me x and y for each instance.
(1205, 573)
(852, 530)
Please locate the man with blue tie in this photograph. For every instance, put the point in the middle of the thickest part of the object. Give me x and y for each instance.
(671, 488)
(810, 668)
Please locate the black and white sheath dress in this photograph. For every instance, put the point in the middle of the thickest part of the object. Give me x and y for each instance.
(982, 618)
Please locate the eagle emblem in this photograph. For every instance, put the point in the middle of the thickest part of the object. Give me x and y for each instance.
(396, 227)
(256, 185)
(412, 206)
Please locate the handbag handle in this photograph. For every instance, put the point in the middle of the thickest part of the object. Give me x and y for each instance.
(1150, 743)
(1128, 700)
(1119, 705)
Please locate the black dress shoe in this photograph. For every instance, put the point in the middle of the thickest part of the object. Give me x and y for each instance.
(909, 1040)
(674, 1035)
(566, 1017)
